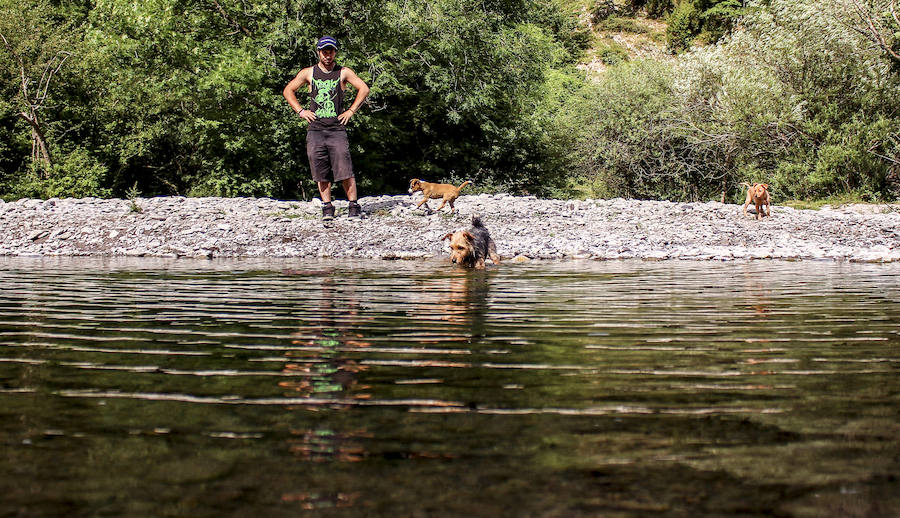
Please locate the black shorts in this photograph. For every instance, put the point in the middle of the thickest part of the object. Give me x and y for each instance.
(329, 155)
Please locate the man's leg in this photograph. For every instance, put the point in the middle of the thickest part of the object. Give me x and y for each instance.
(350, 188)
(353, 209)
(339, 153)
(319, 163)
(325, 191)
(325, 194)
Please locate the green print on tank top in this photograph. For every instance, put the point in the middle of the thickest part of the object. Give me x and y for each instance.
(325, 95)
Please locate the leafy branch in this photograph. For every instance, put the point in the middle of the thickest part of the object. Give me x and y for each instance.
(874, 29)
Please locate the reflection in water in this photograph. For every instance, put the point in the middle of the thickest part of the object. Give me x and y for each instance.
(757, 290)
(320, 367)
(311, 501)
(464, 303)
(570, 389)
(324, 340)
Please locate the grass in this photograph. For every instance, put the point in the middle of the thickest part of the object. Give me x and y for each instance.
(609, 51)
(584, 187)
(620, 24)
(831, 201)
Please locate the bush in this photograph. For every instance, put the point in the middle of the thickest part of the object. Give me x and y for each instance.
(718, 17)
(707, 20)
(610, 52)
(654, 8)
(684, 24)
(628, 147)
(603, 9)
(76, 175)
(565, 111)
(805, 104)
(621, 24)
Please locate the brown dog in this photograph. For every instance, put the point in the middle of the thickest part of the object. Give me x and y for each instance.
(471, 247)
(758, 194)
(432, 191)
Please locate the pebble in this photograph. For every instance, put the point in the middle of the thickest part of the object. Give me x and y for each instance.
(524, 228)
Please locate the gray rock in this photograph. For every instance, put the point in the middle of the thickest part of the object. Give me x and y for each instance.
(525, 227)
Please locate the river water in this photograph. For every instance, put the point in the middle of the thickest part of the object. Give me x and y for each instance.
(319, 388)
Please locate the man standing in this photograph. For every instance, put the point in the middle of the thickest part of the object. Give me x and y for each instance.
(326, 138)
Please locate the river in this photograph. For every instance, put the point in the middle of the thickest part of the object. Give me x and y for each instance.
(145, 387)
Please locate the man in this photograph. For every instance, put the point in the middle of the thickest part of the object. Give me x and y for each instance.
(326, 138)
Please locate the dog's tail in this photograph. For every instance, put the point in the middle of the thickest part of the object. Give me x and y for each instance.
(476, 221)
(463, 185)
(745, 184)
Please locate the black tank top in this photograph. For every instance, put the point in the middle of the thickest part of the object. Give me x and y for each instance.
(327, 99)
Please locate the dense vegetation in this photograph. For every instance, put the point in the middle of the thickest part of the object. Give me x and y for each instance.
(103, 97)
(801, 95)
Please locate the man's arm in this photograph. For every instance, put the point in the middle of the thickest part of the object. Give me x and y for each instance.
(362, 91)
(290, 93)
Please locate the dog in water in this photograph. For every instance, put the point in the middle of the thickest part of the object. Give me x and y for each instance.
(471, 247)
(758, 195)
(432, 191)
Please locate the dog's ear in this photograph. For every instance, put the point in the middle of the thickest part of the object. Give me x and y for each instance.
(448, 236)
(469, 237)
(765, 185)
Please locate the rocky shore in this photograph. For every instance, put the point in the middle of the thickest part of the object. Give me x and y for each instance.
(523, 227)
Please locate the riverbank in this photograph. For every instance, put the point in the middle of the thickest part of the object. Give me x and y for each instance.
(523, 228)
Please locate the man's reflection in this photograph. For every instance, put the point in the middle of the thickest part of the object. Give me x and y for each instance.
(322, 366)
(325, 366)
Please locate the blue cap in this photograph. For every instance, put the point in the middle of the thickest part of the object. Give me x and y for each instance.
(326, 41)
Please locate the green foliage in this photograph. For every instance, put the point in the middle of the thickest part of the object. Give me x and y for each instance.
(454, 97)
(718, 17)
(831, 201)
(77, 174)
(559, 19)
(37, 38)
(610, 52)
(187, 98)
(796, 98)
(603, 9)
(839, 142)
(654, 8)
(684, 24)
(708, 19)
(564, 109)
(621, 24)
(184, 97)
(132, 194)
(623, 147)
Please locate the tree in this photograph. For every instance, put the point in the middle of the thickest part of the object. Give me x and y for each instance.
(37, 46)
(187, 93)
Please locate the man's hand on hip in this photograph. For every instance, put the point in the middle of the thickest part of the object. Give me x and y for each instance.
(308, 115)
(344, 117)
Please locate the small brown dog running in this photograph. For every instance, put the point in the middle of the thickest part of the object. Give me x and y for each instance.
(758, 194)
(471, 247)
(433, 191)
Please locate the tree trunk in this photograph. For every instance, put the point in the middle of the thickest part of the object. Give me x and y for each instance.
(39, 142)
